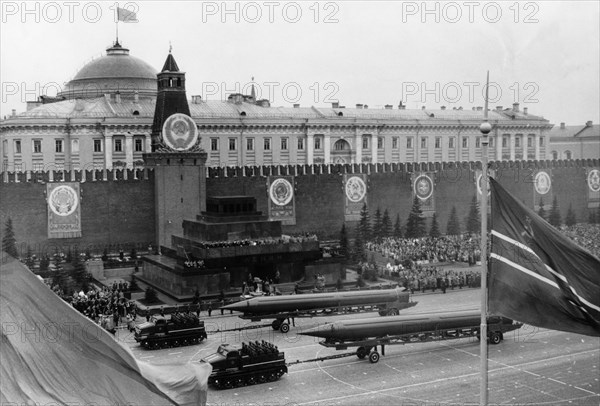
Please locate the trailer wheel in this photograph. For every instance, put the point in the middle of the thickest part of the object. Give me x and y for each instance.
(361, 352)
(495, 337)
(374, 357)
(276, 324)
(393, 312)
(284, 328)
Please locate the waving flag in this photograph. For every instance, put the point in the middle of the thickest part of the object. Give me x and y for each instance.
(126, 15)
(537, 275)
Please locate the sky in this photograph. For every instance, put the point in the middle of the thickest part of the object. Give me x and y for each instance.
(544, 55)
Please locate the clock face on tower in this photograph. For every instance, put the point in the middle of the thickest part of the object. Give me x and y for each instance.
(179, 132)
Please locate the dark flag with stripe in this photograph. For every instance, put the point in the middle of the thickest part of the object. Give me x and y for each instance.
(537, 275)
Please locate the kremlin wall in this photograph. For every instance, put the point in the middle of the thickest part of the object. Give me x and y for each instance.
(118, 210)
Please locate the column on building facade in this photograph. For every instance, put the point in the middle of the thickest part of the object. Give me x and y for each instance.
(148, 143)
(512, 147)
(358, 146)
(310, 149)
(108, 147)
(499, 141)
(536, 142)
(67, 149)
(128, 150)
(327, 147)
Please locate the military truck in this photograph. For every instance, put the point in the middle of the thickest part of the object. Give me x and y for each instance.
(250, 364)
(180, 329)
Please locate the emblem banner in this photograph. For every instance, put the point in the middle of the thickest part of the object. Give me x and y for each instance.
(593, 183)
(423, 188)
(542, 189)
(281, 199)
(355, 195)
(64, 210)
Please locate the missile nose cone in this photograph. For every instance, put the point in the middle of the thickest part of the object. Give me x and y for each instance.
(238, 306)
(323, 331)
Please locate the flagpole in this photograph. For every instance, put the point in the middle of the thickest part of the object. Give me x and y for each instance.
(485, 129)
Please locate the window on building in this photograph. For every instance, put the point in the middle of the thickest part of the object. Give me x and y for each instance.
(317, 142)
(97, 145)
(529, 142)
(232, 145)
(554, 155)
(118, 145)
(394, 142)
(491, 142)
(58, 146)
(267, 144)
(423, 142)
(139, 145)
(5, 148)
(300, 144)
(477, 142)
(250, 144)
(284, 144)
(517, 142)
(214, 144)
(451, 142)
(37, 146)
(438, 142)
(17, 147)
(409, 142)
(541, 141)
(340, 145)
(567, 154)
(465, 142)
(379, 142)
(504, 141)
(365, 141)
(75, 146)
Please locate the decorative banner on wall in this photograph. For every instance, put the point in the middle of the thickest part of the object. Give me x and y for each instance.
(423, 188)
(64, 210)
(478, 177)
(355, 195)
(542, 189)
(593, 182)
(281, 199)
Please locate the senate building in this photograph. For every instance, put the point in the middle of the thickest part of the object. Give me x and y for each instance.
(103, 120)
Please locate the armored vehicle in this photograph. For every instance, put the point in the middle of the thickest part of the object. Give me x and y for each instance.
(180, 329)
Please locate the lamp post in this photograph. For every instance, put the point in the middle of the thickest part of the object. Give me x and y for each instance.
(485, 128)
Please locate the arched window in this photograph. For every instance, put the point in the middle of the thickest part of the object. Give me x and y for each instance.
(341, 145)
(567, 154)
(554, 155)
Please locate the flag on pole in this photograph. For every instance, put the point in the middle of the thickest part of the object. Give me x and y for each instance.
(126, 15)
(537, 275)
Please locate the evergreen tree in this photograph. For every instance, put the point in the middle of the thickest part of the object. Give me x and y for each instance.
(415, 225)
(79, 272)
(44, 263)
(364, 224)
(377, 226)
(541, 211)
(9, 242)
(434, 232)
(453, 226)
(344, 242)
(554, 217)
(474, 217)
(358, 253)
(61, 277)
(397, 227)
(570, 220)
(386, 224)
(592, 217)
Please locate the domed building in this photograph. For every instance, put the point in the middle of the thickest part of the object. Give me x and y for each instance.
(103, 120)
(117, 72)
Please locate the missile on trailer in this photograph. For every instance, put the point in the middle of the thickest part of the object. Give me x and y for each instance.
(388, 301)
(345, 331)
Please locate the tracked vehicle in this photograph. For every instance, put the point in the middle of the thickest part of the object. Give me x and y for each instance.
(250, 364)
(159, 332)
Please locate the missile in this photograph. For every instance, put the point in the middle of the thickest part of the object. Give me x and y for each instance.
(369, 328)
(390, 300)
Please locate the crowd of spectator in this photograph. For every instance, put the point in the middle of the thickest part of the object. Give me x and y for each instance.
(453, 248)
(258, 241)
(585, 235)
